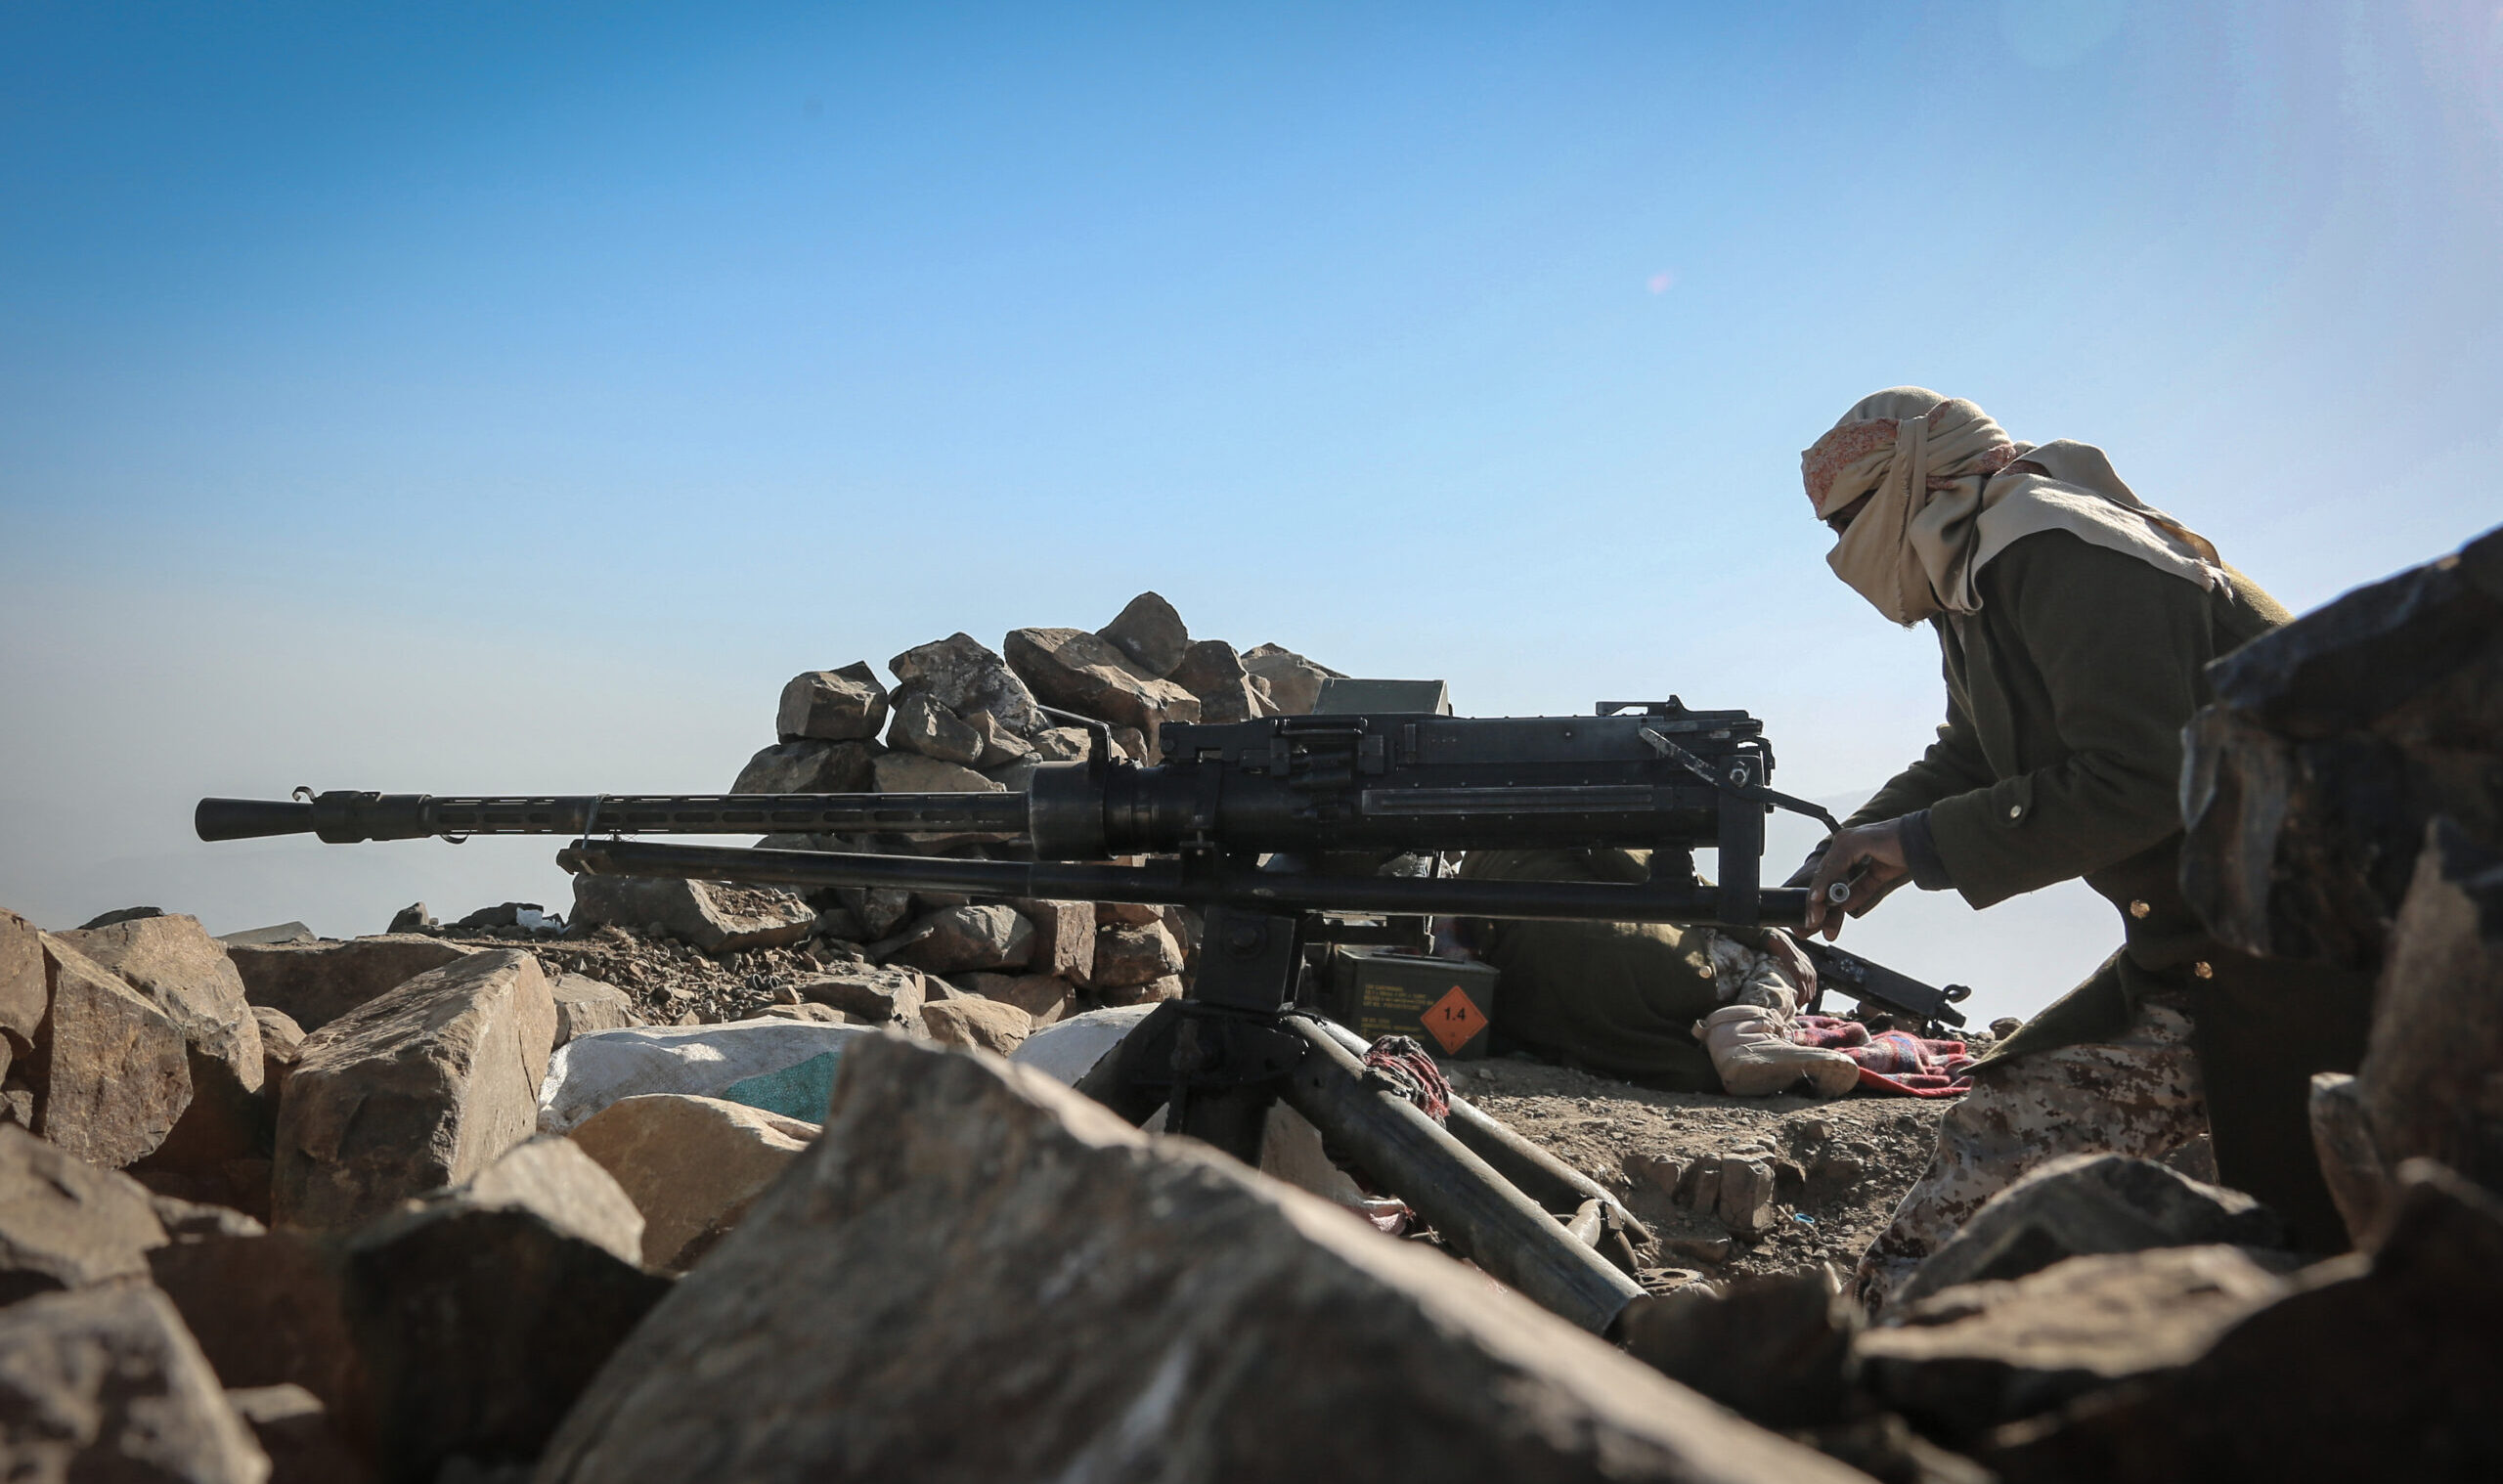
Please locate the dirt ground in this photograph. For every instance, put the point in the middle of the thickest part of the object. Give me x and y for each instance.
(1840, 1165)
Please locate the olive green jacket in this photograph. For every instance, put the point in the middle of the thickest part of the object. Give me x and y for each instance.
(2061, 753)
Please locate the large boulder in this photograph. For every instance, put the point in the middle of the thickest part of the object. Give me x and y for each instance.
(710, 916)
(65, 1224)
(585, 1005)
(1149, 634)
(969, 1019)
(873, 994)
(971, 1240)
(2430, 1084)
(1211, 671)
(809, 766)
(24, 991)
(2379, 1366)
(480, 1321)
(923, 724)
(953, 940)
(691, 1165)
(1064, 938)
(270, 1309)
(843, 705)
(1967, 1359)
(552, 1176)
(2088, 1204)
(1043, 997)
(914, 773)
(593, 1072)
(111, 1071)
(104, 1383)
(2331, 744)
(1126, 957)
(1076, 671)
(317, 983)
(1068, 1048)
(966, 677)
(1287, 679)
(187, 973)
(421, 1088)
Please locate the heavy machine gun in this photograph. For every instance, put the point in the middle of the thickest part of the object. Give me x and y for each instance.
(1274, 829)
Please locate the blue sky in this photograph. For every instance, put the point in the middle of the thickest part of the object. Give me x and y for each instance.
(504, 398)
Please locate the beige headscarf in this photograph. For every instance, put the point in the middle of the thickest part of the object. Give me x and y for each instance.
(1950, 493)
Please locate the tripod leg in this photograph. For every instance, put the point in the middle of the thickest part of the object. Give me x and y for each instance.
(1474, 1208)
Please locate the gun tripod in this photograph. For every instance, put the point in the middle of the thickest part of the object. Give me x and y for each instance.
(1219, 1058)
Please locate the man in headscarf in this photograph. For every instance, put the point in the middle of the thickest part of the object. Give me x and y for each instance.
(2075, 623)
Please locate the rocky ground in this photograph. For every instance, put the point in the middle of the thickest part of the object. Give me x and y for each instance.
(1840, 1164)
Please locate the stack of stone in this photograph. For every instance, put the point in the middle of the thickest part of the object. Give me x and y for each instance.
(962, 717)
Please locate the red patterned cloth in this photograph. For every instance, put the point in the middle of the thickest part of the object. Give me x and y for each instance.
(1830, 1031)
(1891, 1061)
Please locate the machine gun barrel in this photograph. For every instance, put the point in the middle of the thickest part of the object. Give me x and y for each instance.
(345, 816)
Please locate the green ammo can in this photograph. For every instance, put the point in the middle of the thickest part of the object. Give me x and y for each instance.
(1446, 1004)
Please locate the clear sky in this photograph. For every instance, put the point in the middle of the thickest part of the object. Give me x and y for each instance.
(467, 398)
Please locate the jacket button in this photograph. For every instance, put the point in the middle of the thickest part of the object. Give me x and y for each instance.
(2016, 811)
(2139, 909)
(2203, 969)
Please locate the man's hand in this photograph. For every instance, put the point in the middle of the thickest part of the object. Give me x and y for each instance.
(1879, 849)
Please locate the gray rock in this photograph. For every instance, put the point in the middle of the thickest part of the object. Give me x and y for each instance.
(1968, 1358)
(189, 975)
(2088, 1204)
(418, 1089)
(113, 1073)
(303, 1443)
(966, 677)
(1129, 956)
(970, 938)
(315, 984)
(1064, 938)
(914, 1268)
(1211, 671)
(269, 1309)
(552, 1176)
(970, 1020)
(119, 914)
(585, 1005)
(879, 910)
(1745, 1200)
(712, 916)
(2379, 1366)
(1150, 633)
(104, 1383)
(691, 1165)
(281, 1043)
(26, 991)
(2332, 744)
(923, 726)
(912, 773)
(1076, 671)
(411, 918)
(478, 1325)
(1000, 747)
(843, 705)
(809, 766)
(1061, 744)
(1043, 997)
(63, 1223)
(1153, 991)
(1291, 682)
(274, 934)
(1776, 1350)
(871, 995)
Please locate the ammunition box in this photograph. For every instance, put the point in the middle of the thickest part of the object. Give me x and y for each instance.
(1446, 1004)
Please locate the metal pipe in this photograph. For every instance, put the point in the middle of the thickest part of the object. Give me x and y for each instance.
(1551, 1182)
(1472, 1206)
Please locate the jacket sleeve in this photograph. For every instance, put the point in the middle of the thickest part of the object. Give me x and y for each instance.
(2119, 646)
(1953, 764)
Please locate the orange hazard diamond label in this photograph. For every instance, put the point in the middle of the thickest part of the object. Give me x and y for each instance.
(1455, 1020)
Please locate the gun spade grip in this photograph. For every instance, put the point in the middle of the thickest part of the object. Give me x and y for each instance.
(250, 818)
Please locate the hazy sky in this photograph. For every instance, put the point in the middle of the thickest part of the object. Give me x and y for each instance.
(477, 398)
